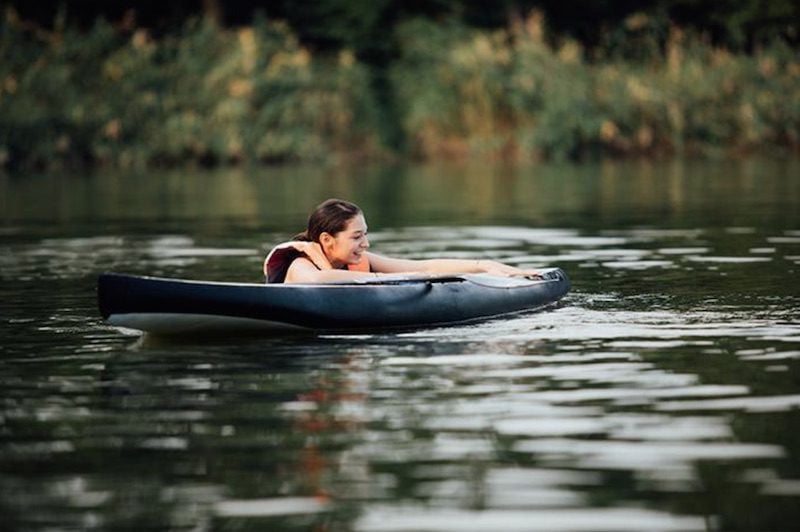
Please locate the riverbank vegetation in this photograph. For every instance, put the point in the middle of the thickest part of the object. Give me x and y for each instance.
(256, 93)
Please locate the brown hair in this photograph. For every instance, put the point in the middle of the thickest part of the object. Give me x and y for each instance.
(331, 216)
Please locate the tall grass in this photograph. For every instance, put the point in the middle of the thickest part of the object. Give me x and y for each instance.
(255, 94)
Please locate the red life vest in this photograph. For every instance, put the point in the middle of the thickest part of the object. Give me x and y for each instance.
(281, 257)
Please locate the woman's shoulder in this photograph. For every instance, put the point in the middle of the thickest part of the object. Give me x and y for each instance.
(278, 261)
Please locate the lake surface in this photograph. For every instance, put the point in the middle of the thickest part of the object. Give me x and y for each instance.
(662, 394)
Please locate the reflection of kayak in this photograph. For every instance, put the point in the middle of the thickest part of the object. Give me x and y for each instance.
(174, 306)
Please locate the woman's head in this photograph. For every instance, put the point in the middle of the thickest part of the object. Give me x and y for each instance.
(339, 227)
(331, 216)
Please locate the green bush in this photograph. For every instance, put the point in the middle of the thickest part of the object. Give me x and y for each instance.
(469, 92)
(256, 94)
(205, 94)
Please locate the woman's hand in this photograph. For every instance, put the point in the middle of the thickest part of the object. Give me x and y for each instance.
(498, 268)
(314, 252)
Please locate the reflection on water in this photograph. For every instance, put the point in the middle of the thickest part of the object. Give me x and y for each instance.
(662, 394)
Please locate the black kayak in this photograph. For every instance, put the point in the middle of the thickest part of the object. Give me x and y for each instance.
(176, 306)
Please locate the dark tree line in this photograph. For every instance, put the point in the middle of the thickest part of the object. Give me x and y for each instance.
(365, 25)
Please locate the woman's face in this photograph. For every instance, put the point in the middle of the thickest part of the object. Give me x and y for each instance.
(348, 245)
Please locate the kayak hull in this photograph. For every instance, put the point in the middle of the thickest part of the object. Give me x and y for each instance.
(175, 306)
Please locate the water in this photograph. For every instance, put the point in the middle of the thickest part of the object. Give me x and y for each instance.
(662, 394)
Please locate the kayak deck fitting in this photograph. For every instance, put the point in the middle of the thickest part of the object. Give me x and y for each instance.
(175, 306)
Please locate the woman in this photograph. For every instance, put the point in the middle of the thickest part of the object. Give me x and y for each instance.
(334, 248)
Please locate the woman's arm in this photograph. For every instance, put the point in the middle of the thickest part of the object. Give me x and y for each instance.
(383, 264)
(303, 270)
